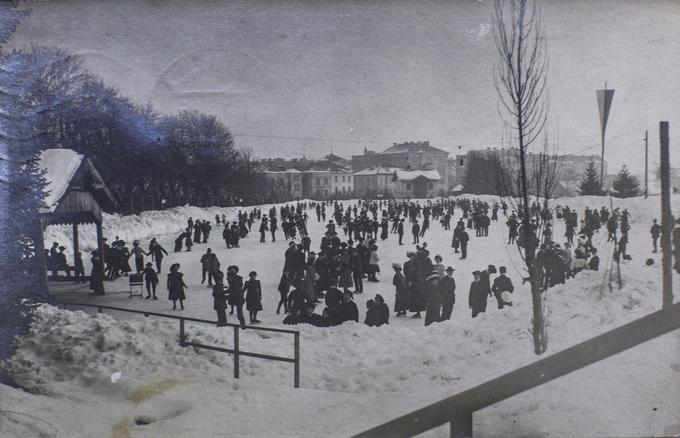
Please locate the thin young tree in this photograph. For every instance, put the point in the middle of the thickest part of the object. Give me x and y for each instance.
(520, 79)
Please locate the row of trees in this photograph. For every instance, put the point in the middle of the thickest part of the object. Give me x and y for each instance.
(487, 174)
(148, 159)
(624, 185)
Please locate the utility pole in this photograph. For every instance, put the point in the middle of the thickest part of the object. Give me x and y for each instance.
(646, 163)
(666, 217)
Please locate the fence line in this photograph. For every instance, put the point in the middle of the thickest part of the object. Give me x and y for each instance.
(236, 351)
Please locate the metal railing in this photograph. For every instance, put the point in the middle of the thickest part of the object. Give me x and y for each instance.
(236, 351)
(457, 410)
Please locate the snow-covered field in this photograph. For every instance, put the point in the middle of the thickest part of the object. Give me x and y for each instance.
(353, 377)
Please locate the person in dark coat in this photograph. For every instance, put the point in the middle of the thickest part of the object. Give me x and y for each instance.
(78, 268)
(307, 316)
(220, 299)
(502, 284)
(447, 289)
(434, 300)
(382, 309)
(655, 231)
(402, 298)
(157, 251)
(463, 239)
(97, 275)
(348, 308)
(333, 298)
(151, 280)
(176, 286)
(60, 264)
(296, 297)
(180, 241)
(417, 302)
(284, 288)
(478, 295)
(400, 231)
(594, 262)
(253, 291)
(235, 293)
(187, 241)
(372, 316)
(205, 266)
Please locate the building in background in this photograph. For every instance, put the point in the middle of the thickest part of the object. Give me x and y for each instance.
(329, 178)
(412, 155)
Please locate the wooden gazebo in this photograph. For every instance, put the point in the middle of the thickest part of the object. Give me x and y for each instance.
(76, 195)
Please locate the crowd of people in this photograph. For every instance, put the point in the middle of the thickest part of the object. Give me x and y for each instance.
(348, 255)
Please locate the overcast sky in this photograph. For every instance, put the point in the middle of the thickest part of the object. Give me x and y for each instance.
(375, 72)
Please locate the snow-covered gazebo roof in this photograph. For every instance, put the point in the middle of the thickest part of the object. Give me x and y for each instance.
(76, 192)
(59, 165)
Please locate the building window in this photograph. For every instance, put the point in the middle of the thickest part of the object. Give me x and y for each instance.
(325, 192)
(296, 177)
(336, 178)
(336, 189)
(325, 181)
(296, 187)
(461, 161)
(431, 186)
(343, 189)
(343, 178)
(408, 186)
(318, 181)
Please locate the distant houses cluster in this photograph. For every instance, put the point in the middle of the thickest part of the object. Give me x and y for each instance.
(413, 169)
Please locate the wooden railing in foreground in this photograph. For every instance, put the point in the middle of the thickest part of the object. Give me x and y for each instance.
(457, 410)
(236, 351)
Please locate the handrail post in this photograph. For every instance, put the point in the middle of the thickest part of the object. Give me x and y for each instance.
(296, 381)
(236, 349)
(461, 425)
(181, 333)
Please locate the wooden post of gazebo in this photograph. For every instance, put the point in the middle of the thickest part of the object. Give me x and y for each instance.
(76, 195)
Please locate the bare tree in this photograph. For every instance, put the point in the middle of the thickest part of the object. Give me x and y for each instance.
(520, 80)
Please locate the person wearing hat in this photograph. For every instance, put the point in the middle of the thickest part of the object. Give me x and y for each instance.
(151, 280)
(415, 230)
(348, 308)
(220, 299)
(400, 230)
(264, 227)
(253, 290)
(434, 299)
(235, 293)
(372, 317)
(501, 285)
(402, 298)
(59, 260)
(97, 274)
(447, 287)
(382, 309)
(176, 286)
(485, 278)
(478, 295)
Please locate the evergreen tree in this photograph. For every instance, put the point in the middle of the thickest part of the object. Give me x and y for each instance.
(625, 185)
(590, 183)
(22, 114)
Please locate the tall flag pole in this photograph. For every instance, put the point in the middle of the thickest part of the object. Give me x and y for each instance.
(604, 103)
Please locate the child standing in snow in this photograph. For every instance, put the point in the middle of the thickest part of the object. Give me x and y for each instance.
(151, 280)
(176, 286)
(253, 291)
